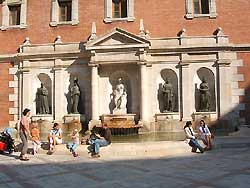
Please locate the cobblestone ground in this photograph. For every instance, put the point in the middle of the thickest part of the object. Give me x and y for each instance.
(221, 168)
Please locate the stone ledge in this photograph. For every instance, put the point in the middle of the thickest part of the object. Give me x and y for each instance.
(152, 149)
(13, 97)
(237, 77)
(13, 111)
(13, 84)
(237, 63)
(238, 92)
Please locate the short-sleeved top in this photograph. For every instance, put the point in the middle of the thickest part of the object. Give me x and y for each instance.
(35, 134)
(75, 139)
(55, 132)
(204, 130)
(24, 121)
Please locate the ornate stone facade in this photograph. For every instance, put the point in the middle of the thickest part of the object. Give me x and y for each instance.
(142, 58)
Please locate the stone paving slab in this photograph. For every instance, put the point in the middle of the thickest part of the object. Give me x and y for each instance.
(220, 168)
(176, 167)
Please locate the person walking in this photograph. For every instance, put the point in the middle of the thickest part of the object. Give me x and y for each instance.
(25, 133)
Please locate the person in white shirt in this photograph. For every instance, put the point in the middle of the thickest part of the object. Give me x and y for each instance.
(205, 135)
(190, 137)
(55, 136)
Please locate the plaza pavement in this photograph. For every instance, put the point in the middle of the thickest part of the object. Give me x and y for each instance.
(228, 165)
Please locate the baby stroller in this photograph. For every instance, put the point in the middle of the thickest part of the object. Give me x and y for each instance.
(7, 143)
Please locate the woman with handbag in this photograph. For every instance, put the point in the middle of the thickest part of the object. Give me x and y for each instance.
(24, 133)
(190, 137)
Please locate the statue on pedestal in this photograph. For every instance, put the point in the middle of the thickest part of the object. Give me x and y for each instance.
(119, 98)
(42, 100)
(205, 96)
(75, 96)
(168, 96)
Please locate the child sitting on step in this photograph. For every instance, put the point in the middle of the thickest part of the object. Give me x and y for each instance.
(35, 137)
(72, 146)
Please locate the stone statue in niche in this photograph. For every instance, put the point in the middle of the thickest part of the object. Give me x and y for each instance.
(168, 96)
(42, 100)
(205, 96)
(119, 98)
(75, 96)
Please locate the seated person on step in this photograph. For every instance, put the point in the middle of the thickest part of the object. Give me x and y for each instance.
(100, 141)
(205, 135)
(55, 136)
(190, 137)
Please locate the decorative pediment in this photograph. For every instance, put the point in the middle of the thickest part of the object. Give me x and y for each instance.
(117, 38)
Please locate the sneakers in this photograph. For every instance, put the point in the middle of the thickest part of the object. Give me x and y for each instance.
(75, 154)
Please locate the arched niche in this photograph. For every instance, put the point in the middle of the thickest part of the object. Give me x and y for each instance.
(47, 83)
(207, 76)
(170, 76)
(113, 79)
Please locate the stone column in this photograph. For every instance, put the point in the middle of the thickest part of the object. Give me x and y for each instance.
(144, 94)
(94, 92)
(224, 91)
(187, 93)
(58, 100)
(27, 99)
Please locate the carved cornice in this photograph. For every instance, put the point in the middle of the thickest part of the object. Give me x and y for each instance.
(160, 51)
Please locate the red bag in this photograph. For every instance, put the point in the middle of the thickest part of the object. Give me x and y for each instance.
(2, 146)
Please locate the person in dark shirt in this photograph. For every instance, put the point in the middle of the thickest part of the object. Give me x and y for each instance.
(103, 140)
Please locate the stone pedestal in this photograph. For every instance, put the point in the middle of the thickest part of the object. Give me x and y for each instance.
(119, 111)
(209, 116)
(44, 117)
(44, 124)
(167, 116)
(73, 121)
(167, 122)
(119, 121)
(74, 118)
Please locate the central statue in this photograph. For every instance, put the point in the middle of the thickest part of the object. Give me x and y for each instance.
(119, 98)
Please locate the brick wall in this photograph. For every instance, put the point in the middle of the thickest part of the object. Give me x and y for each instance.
(4, 95)
(245, 84)
(162, 19)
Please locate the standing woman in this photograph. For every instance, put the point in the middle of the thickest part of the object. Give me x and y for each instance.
(24, 133)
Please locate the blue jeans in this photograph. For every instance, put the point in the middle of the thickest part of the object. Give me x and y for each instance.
(97, 143)
(194, 144)
(72, 147)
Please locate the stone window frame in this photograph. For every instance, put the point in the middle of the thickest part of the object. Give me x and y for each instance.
(55, 14)
(6, 12)
(190, 10)
(108, 12)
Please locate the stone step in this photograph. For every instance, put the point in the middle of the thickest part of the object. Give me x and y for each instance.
(150, 149)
